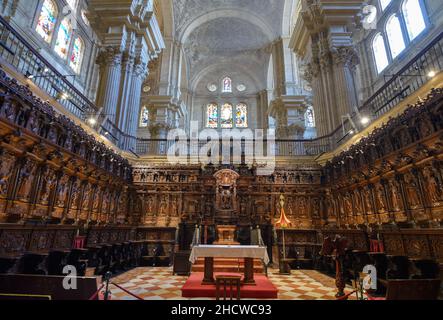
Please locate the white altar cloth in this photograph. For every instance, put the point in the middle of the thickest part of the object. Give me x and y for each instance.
(207, 251)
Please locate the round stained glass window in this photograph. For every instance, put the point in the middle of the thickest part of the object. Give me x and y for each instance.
(241, 87)
(212, 87)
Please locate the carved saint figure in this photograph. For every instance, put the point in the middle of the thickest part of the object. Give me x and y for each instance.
(6, 165)
(26, 178)
(412, 191)
(226, 199)
(150, 208)
(432, 186)
(395, 196)
(380, 198)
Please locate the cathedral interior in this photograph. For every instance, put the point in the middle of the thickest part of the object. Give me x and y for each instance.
(134, 132)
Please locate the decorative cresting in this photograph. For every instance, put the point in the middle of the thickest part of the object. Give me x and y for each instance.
(226, 202)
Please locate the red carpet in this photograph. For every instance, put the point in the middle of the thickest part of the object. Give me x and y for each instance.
(264, 289)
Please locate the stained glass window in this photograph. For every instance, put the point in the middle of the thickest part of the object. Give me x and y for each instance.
(63, 38)
(415, 21)
(241, 117)
(380, 55)
(46, 20)
(227, 84)
(77, 55)
(310, 118)
(227, 120)
(144, 117)
(395, 36)
(212, 116)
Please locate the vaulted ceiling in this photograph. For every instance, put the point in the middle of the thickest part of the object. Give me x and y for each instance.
(227, 35)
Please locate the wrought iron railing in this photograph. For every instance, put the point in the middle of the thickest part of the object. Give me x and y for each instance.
(248, 148)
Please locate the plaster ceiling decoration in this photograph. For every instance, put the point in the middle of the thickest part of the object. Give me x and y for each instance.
(186, 11)
(233, 34)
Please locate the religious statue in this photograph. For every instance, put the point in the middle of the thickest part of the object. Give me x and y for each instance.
(412, 192)
(433, 188)
(150, 205)
(26, 177)
(6, 165)
(395, 195)
(226, 199)
(380, 198)
(163, 206)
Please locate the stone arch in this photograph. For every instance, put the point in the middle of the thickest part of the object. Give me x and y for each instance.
(239, 14)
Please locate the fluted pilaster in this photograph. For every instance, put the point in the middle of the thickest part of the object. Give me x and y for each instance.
(110, 62)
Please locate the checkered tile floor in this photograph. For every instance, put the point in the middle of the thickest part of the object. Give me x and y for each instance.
(160, 284)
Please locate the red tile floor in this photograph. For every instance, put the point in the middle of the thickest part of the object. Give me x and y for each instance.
(160, 284)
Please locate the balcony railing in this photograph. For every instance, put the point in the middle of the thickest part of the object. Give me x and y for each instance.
(248, 148)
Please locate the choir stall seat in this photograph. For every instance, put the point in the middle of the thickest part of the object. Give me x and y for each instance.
(79, 259)
(405, 289)
(33, 263)
(56, 261)
(424, 269)
(398, 267)
(9, 262)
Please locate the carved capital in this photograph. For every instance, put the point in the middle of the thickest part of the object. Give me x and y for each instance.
(110, 56)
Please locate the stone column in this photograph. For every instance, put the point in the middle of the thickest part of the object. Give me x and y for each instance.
(110, 62)
(123, 108)
(139, 75)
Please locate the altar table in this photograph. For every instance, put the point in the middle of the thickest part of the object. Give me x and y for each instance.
(209, 252)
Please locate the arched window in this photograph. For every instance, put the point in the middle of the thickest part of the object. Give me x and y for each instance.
(227, 85)
(77, 55)
(63, 38)
(241, 116)
(395, 36)
(227, 120)
(46, 20)
(414, 18)
(384, 4)
(144, 117)
(310, 118)
(212, 116)
(380, 54)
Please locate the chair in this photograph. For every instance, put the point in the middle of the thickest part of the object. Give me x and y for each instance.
(231, 281)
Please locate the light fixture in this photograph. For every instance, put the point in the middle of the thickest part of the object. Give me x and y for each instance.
(351, 132)
(432, 74)
(364, 120)
(62, 96)
(92, 121)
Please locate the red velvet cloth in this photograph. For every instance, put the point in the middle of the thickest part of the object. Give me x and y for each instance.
(79, 242)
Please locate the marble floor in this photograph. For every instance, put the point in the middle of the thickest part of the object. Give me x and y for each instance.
(160, 284)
